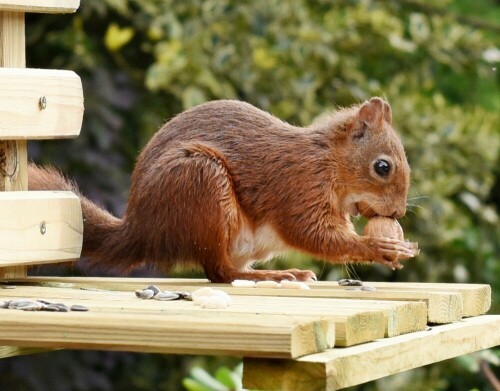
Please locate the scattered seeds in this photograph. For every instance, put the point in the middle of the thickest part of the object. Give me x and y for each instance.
(206, 291)
(213, 302)
(154, 288)
(350, 282)
(199, 295)
(144, 293)
(267, 284)
(79, 308)
(165, 296)
(243, 283)
(183, 295)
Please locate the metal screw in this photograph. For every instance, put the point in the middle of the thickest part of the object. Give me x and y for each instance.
(42, 103)
(43, 228)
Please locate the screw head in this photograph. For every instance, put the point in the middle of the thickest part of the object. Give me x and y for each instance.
(42, 103)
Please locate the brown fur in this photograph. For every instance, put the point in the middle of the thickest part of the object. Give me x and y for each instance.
(225, 183)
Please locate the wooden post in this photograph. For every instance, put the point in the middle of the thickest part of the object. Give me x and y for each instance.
(13, 153)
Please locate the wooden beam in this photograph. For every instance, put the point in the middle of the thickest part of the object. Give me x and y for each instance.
(39, 227)
(442, 307)
(40, 104)
(40, 6)
(340, 368)
(208, 332)
(13, 154)
(12, 351)
(352, 325)
(476, 297)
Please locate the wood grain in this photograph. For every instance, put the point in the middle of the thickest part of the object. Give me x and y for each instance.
(13, 154)
(22, 115)
(352, 325)
(443, 306)
(120, 321)
(340, 368)
(39, 227)
(40, 6)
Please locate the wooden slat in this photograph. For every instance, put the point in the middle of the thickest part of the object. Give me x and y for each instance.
(476, 297)
(40, 6)
(12, 351)
(14, 153)
(340, 368)
(21, 112)
(352, 325)
(442, 307)
(120, 321)
(39, 227)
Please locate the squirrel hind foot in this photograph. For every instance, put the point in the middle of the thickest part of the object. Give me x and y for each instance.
(265, 275)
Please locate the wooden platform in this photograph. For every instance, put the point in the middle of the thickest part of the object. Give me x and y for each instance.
(327, 337)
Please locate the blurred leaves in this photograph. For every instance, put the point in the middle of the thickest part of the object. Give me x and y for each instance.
(116, 37)
(224, 379)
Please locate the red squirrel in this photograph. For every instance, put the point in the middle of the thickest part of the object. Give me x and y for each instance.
(225, 184)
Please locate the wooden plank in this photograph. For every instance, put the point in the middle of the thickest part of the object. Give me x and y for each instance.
(13, 154)
(40, 104)
(12, 351)
(442, 307)
(39, 227)
(12, 40)
(339, 368)
(352, 325)
(207, 332)
(476, 297)
(40, 6)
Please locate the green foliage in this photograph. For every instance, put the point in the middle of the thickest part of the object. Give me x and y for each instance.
(143, 61)
(224, 379)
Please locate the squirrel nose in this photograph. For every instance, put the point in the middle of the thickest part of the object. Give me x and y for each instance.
(399, 212)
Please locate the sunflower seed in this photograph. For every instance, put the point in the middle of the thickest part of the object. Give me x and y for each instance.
(144, 293)
(350, 282)
(267, 284)
(183, 295)
(243, 283)
(78, 307)
(154, 288)
(368, 288)
(165, 296)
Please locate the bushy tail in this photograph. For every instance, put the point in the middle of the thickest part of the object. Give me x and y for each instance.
(104, 236)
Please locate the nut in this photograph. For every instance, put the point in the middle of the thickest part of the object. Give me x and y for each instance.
(384, 227)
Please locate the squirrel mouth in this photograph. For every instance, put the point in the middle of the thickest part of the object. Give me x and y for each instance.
(365, 209)
(353, 209)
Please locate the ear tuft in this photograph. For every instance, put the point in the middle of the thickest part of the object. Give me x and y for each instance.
(374, 112)
(387, 113)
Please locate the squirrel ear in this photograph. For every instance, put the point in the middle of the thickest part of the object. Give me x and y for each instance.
(373, 112)
(387, 113)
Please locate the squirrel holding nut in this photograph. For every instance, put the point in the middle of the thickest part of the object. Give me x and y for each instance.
(225, 184)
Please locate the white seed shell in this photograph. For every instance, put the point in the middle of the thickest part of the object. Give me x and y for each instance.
(213, 302)
(290, 284)
(205, 291)
(267, 284)
(243, 283)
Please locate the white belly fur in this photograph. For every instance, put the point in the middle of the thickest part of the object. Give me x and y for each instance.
(261, 244)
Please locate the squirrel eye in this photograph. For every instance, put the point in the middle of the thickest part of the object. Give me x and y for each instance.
(382, 167)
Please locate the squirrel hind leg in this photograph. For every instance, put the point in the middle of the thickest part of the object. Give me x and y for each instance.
(210, 220)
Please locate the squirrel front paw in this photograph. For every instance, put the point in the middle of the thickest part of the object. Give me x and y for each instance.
(389, 252)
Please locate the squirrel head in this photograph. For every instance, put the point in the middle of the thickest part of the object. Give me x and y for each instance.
(372, 174)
